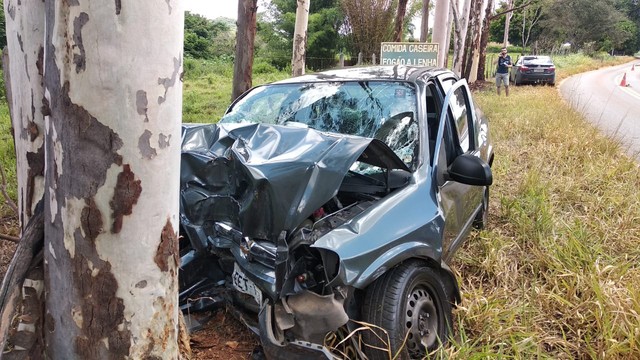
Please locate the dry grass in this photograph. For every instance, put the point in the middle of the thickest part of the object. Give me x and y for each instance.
(557, 275)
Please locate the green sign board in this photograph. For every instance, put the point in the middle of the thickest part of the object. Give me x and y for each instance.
(409, 53)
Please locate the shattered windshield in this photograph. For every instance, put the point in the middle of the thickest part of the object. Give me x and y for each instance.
(385, 110)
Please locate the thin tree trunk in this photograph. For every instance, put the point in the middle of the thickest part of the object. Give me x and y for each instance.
(466, 52)
(25, 37)
(484, 40)
(399, 24)
(440, 28)
(461, 21)
(300, 38)
(112, 142)
(245, 36)
(424, 27)
(507, 24)
(447, 46)
(476, 21)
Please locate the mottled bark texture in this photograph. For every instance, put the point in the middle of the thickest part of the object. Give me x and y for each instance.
(110, 246)
(25, 86)
(300, 38)
(245, 36)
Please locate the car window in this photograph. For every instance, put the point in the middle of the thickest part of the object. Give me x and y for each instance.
(385, 110)
(461, 117)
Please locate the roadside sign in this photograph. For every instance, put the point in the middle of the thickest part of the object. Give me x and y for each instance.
(409, 53)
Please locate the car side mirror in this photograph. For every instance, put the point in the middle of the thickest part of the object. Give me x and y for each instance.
(470, 170)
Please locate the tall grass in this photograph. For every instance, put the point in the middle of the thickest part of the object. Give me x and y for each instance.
(557, 275)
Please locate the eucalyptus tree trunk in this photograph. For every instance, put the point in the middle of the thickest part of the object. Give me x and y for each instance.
(484, 40)
(461, 21)
(440, 22)
(245, 36)
(25, 39)
(447, 43)
(475, 23)
(112, 135)
(399, 23)
(300, 38)
(424, 26)
(507, 24)
(475, 55)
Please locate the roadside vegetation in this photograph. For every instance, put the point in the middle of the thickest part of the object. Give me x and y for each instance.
(556, 274)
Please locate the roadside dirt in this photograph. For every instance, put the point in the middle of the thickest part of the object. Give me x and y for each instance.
(222, 337)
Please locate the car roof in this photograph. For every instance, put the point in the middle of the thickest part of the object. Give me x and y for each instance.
(387, 73)
(536, 57)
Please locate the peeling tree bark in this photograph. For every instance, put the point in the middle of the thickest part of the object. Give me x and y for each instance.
(245, 36)
(25, 39)
(300, 38)
(112, 130)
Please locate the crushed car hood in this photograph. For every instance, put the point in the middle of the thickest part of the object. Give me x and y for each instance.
(265, 179)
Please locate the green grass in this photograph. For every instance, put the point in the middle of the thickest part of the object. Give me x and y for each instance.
(7, 157)
(207, 87)
(557, 273)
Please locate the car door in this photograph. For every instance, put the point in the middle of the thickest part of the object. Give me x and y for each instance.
(456, 136)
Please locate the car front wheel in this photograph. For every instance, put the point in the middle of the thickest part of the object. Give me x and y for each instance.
(410, 302)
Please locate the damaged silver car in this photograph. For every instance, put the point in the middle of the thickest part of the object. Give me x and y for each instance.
(332, 202)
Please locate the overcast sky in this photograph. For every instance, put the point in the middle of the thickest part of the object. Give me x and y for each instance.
(214, 8)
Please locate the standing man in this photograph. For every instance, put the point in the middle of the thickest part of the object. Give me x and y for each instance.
(502, 72)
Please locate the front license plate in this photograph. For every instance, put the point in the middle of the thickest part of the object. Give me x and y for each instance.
(243, 284)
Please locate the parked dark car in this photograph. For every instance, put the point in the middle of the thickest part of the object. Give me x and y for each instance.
(332, 197)
(531, 69)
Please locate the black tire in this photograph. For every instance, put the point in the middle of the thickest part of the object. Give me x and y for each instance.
(482, 218)
(409, 298)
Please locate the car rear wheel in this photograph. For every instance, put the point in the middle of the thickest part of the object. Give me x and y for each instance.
(482, 218)
(410, 302)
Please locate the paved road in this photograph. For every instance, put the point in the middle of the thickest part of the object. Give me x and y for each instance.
(612, 108)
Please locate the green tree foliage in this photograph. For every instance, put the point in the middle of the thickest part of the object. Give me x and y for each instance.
(528, 14)
(206, 39)
(589, 25)
(632, 9)
(275, 33)
(603, 23)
